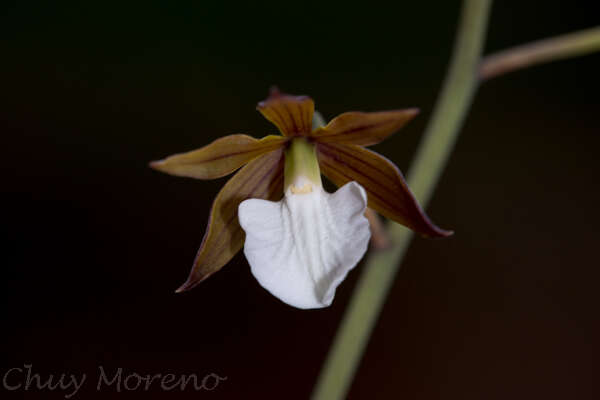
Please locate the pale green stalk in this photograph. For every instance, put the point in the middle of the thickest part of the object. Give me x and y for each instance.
(460, 85)
(380, 269)
(564, 46)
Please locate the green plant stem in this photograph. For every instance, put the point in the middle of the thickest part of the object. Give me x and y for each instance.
(564, 46)
(381, 267)
(464, 74)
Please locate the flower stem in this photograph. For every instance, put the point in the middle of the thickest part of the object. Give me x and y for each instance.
(464, 74)
(556, 48)
(381, 267)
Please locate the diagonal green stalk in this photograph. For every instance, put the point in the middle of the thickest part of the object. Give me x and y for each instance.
(464, 74)
(572, 44)
(381, 267)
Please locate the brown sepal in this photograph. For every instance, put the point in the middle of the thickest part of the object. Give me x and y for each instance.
(387, 191)
(380, 239)
(220, 158)
(363, 129)
(261, 178)
(291, 114)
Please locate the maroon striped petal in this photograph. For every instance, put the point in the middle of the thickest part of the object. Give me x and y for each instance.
(220, 158)
(261, 178)
(291, 114)
(387, 191)
(363, 129)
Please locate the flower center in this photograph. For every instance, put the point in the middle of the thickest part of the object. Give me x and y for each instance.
(301, 172)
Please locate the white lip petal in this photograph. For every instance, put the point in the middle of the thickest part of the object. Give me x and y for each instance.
(302, 247)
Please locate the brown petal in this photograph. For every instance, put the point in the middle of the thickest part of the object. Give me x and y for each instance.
(262, 179)
(220, 158)
(380, 238)
(291, 114)
(387, 191)
(362, 128)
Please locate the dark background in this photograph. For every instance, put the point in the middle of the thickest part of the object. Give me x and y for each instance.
(94, 242)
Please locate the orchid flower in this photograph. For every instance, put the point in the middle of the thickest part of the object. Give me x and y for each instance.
(300, 241)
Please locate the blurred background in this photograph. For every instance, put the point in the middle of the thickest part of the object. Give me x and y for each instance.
(94, 243)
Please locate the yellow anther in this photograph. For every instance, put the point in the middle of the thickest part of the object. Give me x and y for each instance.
(306, 188)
